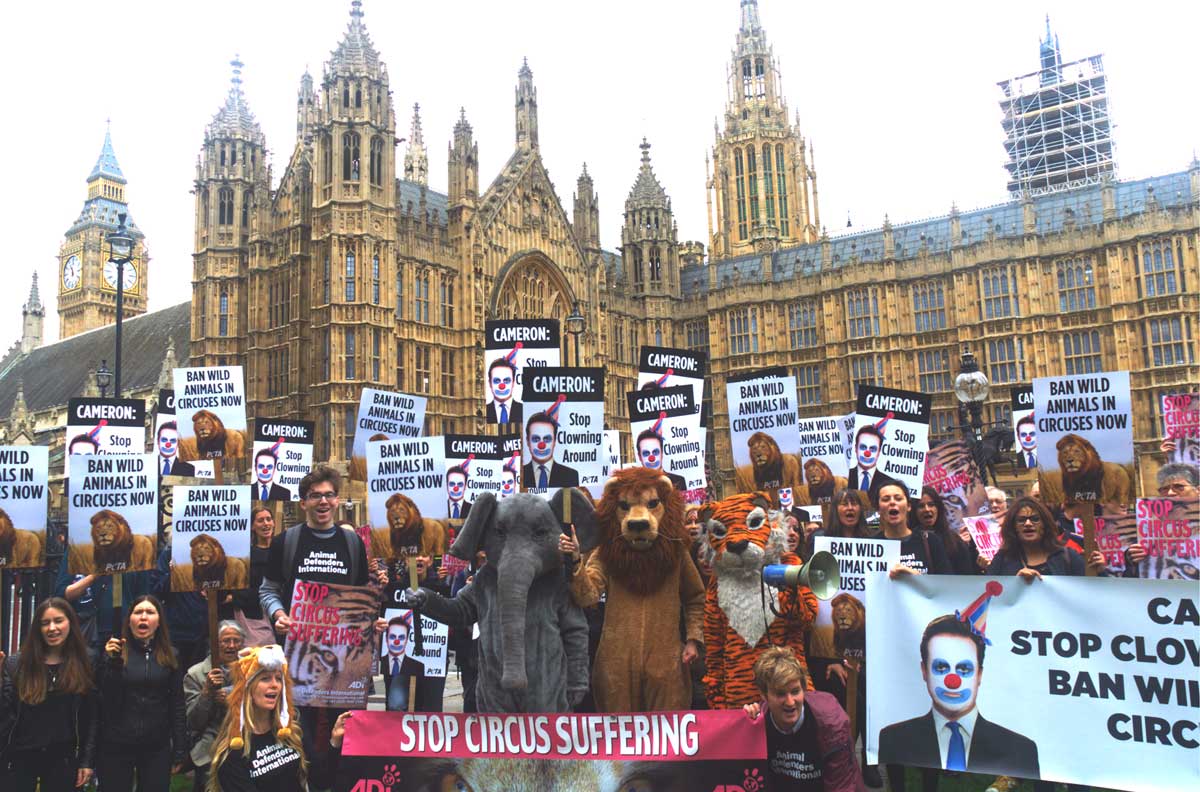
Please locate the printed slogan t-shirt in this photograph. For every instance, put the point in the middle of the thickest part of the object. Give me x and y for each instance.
(794, 759)
(319, 559)
(271, 767)
(913, 554)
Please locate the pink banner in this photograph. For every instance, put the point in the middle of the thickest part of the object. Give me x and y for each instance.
(1181, 414)
(658, 736)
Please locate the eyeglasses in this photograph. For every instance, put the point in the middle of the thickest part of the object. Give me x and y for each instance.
(1028, 518)
(319, 496)
(1174, 488)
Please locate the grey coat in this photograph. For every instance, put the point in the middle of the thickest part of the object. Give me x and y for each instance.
(204, 715)
(556, 641)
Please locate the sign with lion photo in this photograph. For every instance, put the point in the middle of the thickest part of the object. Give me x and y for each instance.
(112, 518)
(210, 411)
(210, 538)
(23, 495)
(764, 433)
(1085, 438)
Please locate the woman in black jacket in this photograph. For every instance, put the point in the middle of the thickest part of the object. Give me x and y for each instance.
(247, 609)
(930, 515)
(48, 706)
(142, 710)
(1030, 546)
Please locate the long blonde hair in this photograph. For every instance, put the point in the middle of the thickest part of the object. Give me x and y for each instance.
(237, 728)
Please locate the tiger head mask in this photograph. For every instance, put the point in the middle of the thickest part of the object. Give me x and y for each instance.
(742, 533)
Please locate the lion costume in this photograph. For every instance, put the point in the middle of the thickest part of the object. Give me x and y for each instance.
(741, 537)
(407, 533)
(19, 548)
(642, 563)
(821, 482)
(114, 548)
(211, 440)
(209, 568)
(770, 469)
(1081, 472)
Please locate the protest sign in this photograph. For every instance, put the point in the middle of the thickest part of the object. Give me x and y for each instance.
(399, 650)
(1024, 426)
(383, 415)
(1116, 529)
(809, 514)
(1181, 419)
(210, 538)
(710, 750)
(846, 424)
(331, 644)
(763, 432)
(113, 514)
(166, 443)
(210, 411)
(105, 426)
(510, 476)
(563, 443)
(665, 426)
(1169, 530)
(985, 532)
(1058, 661)
(950, 469)
(822, 457)
(1084, 425)
(839, 623)
(512, 346)
(414, 468)
(24, 471)
(612, 463)
(283, 453)
(891, 439)
(662, 367)
(475, 464)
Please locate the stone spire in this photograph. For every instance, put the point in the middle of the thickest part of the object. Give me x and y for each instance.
(416, 161)
(586, 218)
(526, 109)
(106, 164)
(33, 314)
(234, 118)
(21, 424)
(356, 54)
(167, 372)
(647, 188)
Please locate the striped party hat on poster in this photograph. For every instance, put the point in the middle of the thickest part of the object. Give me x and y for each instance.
(512, 356)
(552, 410)
(95, 433)
(657, 428)
(976, 613)
(883, 421)
(661, 381)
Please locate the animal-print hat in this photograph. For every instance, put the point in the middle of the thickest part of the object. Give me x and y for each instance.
(251, 664)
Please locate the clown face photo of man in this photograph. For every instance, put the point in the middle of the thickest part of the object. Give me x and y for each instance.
(868, 443)
(541, 471)
(649, 447)
(508, 482)
(396, 642)
(502, 408)
(1027, 437)
(954, 735)
(457, 506)
(265, 488)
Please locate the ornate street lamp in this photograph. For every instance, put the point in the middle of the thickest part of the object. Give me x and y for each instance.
(971, 386)
(120, 253)
(576, 324)
(103, 378)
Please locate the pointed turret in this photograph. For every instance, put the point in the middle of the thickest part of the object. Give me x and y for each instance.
(234, 118)
(306, 109)
(33, 314)
(463, 170)
(526, 108)
(1051, 57)
(586, 218)
(649, 248)
(355, 54)
(416, 161)
(106, 164)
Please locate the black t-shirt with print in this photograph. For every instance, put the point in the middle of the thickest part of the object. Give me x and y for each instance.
(317, 560)
(926, 555)
(271, 767)
(794, 760)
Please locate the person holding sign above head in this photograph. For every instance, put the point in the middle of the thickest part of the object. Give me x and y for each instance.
(502, 379)
(866, 476)
(954, 735)
(48, 706)
(541, 471)
(1030, 546)
(167, 442)
(142, 726)
(265, 488)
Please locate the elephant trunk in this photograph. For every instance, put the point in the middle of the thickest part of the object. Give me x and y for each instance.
(515, 575)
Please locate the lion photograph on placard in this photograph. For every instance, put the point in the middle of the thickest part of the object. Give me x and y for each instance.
(209, 567)
(114, 547)
(20, 548)
(821, 481)
(769, 469)
(211, 440)
(1081, 471)
(407, 529)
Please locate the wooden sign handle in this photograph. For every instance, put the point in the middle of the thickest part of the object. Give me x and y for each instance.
(214, 640)
(1089, 536)
(852, 701)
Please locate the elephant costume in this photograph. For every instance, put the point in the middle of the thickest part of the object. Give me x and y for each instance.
(533, 639)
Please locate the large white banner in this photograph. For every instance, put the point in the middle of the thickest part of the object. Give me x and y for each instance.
(823, 457)
(24, 471)
(662, 367)
(383, 415)
(987, 675)
(210, 410)
(414, 468)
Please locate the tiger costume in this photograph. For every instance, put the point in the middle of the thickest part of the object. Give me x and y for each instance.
(742, 535)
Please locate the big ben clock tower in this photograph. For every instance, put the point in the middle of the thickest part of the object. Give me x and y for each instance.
(87, 283)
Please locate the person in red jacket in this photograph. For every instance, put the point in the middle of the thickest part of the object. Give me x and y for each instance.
(809, 747)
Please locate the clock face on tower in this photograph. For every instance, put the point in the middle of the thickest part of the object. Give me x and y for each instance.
(130, 272)
(71, 272)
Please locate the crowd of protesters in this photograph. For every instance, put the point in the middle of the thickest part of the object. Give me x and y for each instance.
(132, 703)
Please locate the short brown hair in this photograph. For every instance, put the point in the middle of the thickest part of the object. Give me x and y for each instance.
(321, 474)
(777, 668)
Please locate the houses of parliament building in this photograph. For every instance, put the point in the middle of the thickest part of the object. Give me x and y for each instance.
(353, 271)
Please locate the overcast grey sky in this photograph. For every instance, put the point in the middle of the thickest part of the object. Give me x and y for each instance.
(899, 99)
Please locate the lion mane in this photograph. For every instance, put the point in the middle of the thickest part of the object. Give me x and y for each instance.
(641, 571)
(208, 562)
(220, 442)
(127, 552)
(1084, 472)
(18, 548)
(407, 528)
(770, 469)
(821, 481)
(849, 625)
